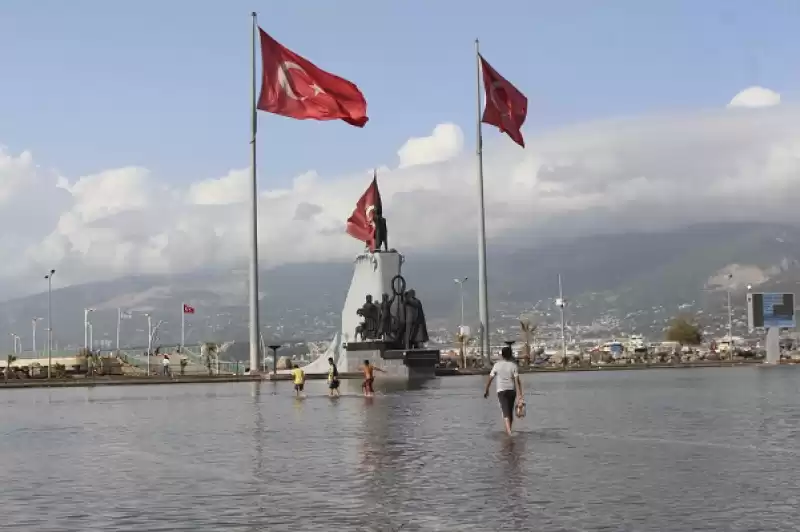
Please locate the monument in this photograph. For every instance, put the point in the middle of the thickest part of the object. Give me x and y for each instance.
(393, 333)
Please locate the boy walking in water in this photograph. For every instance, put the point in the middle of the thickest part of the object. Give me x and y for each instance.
(369, 378)
(509, 386)
(299, 379)
(333, 378)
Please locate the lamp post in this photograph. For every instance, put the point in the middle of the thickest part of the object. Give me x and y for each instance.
(460, 283)
(274, 358)
(561, 303)
(49, 278)
(33, 342)
(149, 340)
(15, 338)
(730, 320)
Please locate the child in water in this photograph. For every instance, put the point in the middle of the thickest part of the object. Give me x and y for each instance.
(299, 379)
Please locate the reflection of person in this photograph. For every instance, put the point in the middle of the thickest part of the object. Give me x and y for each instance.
(509, 386)
(333, 378)
(369, 378)
(299, 379)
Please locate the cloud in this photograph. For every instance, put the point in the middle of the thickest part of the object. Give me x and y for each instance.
(647, 173)
(445, 143)
(755, 97)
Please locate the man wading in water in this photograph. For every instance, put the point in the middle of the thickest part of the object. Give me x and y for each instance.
(509, 386)
(369, 378)
(333, 378)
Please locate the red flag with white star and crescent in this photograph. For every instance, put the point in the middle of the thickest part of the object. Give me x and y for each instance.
(506, 107)
(294, 87)
(361, 224)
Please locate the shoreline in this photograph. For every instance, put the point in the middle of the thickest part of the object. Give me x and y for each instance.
(91, 382)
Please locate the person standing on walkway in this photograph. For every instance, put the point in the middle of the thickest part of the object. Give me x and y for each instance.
(165, 366)
(509, 387)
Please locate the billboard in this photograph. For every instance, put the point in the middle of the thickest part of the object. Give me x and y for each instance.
(771, 310)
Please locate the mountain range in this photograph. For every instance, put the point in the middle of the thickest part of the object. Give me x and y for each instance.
(634, 281)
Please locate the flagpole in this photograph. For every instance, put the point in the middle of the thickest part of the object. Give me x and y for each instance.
(183, 326)
(253, 296)
(119, 321)
(483, 302)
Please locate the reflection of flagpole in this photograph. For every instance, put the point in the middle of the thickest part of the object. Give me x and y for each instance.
(483, 303)
(253, 296)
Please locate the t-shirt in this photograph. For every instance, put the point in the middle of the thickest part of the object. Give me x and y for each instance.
(165, 362)
(298, 376)
(333, 372)
(505, 372)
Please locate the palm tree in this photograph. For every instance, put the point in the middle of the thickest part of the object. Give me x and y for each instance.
(9, 360)
(528, 330)
(462, 348)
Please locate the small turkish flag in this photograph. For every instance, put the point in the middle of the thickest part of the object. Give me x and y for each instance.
(361, 224)
(293, 86)
(187, 309)
(506, 107)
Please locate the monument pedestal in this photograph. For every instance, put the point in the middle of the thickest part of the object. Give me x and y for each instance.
(408, 364)
(372, 275)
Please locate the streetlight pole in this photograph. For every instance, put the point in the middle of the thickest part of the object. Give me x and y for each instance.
(149, 340)
(460, 283)
(730, 327)
(561, 303)
(91, 337)
(49, 278)
(33, 342)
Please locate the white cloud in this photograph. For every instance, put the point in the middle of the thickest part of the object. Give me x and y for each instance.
(646, 173)
(444, 144)
(755, 97)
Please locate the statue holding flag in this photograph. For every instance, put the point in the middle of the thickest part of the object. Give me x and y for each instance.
(367, 222)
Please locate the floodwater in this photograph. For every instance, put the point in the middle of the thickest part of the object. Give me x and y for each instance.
(661, 450)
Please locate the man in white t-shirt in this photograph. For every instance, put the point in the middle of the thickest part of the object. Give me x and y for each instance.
(165, 366)
(509, 386)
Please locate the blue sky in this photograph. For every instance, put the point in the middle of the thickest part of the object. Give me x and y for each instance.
(91, 85)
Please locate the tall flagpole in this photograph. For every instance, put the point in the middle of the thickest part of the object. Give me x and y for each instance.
(254, 325)
(119, 323)
(483, 292)
(183, 326)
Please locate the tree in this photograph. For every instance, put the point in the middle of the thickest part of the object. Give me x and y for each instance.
(9, 361)
(684, 332)
(528, 330)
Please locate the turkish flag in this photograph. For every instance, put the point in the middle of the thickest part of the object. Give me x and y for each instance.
(187, 309)
(506, 107)
(361, 224)
(293, 86)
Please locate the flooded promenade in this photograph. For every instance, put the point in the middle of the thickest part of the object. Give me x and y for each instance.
(710, 449)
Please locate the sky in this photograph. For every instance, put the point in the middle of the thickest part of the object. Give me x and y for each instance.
(125, 126)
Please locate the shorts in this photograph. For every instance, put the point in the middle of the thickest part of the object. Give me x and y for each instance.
(334, 384)
(507, 399)
(367, 385)
(299, 387)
